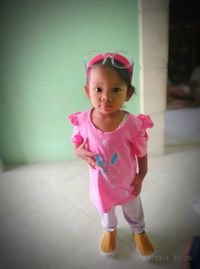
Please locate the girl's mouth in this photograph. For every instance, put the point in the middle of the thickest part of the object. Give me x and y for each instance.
(105, 105)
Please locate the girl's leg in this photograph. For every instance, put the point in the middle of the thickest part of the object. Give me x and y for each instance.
(109, 220)
(108, 242)
(134, 215)
(133, 212)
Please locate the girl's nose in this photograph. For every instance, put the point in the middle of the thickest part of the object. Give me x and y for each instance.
(106, 97)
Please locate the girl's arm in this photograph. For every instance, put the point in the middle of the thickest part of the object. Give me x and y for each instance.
(142, 171)
(142, 166)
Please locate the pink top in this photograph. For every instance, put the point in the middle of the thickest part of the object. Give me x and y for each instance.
(117, 152)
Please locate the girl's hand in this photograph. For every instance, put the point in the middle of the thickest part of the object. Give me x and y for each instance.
(137, 182)
(137, 185)
(84, 154)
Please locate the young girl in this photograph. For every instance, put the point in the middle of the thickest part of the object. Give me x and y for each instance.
(114, 144)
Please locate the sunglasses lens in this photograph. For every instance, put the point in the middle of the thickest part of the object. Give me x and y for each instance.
(122, 59)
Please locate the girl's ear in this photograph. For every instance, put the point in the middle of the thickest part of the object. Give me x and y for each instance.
(87, 91)
(129, 95)
(130, 92)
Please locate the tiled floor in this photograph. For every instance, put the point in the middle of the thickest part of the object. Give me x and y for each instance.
(48, 222)
(183, 126)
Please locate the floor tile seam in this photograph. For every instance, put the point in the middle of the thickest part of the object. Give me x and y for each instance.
(51, 185)
(64, 194)
(177, 153)
(71, 178)
(82, 209)
(73, 252)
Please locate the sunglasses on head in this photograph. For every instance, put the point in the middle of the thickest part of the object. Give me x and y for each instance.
(116, 58)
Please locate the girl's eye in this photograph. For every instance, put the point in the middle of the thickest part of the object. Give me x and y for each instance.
(98, 90)
(116, 89)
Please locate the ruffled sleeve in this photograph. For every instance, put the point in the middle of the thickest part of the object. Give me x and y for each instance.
(76, 135)
(74, 118)
(141, 137)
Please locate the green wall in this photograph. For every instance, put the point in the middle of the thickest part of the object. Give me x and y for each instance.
(42, 71)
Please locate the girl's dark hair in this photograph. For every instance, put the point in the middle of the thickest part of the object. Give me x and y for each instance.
(123, 73)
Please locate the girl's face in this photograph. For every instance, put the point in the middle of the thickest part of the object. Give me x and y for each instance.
(106, 90)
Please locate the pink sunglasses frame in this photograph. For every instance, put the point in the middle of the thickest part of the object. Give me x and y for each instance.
(113, 56)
